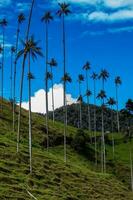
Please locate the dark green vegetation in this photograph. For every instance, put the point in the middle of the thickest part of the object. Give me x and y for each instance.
(126, 118)
(51, 178)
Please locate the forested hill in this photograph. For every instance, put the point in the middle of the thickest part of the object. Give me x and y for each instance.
(126, 119)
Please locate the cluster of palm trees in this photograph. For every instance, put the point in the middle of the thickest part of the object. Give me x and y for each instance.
(111, 102)
(31, 50)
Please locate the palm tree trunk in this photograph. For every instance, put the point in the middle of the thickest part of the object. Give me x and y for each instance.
(113, 142)
(22, 77)
(11, 83)
(80, 106)
(89, 117)
(103, 157)
(52, 95)
(118, 123)
(64, 85)
(46, 85)
(30, 126)
(14, 78)
(95, 123)
(2, 70)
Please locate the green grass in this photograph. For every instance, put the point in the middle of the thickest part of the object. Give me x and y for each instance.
(51, 178)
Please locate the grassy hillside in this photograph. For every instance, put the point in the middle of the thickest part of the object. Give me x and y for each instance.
(79, 179)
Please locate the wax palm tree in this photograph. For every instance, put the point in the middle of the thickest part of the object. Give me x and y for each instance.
(102, 96)
(52, 64)
(20, 20)
(1, 50)
(11, 73)
(30, 49)
(104, 75)
(129, 107)
(117, 83)
(87, 67)
(3, 24)
(47, 18)
(94, 76)
(80, 99)
(62, 12)
(111, 102)
(67, 79)
(22, 74)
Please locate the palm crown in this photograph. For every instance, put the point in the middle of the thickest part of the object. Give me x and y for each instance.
(101, 95)
(3, 22)
(53, 63)
(111, 101)
(47, 17)
(104, 74)
(86, 66)
(21, 18)
(31, 46)
(67, 78)
(94, 76)
(118, 80)
(80, 78)
(64, 9)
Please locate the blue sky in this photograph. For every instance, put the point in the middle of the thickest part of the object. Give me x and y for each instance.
(98, 31)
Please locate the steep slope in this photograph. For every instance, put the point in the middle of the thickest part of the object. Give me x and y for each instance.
(51, 178)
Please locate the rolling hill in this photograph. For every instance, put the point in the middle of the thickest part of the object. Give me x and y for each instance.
(52, 179)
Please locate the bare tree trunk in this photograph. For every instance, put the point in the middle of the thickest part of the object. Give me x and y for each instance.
(88, 103)
(30, 126)
(103, 156)
(52, 95)
(118, 123)
(2, 70)
(46, 85)
(113, 142)
(64, 88)
(14, 78)
(22, 77)
(80, 107)
(95, 123)
(11, 83)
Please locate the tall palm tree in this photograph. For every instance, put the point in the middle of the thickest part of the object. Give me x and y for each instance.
(102, 96)
(67, 79)
(80, 99)
(117, 83)
(30, 49)
(104, 75)
(20, 20)
(62, 12)
(22, 75)
(87, 67)
(3, 24)
(129, 107)
(52, 64)
(11, 73)
(47, 18)
(111, 102)
(94, 77)
(1, 50)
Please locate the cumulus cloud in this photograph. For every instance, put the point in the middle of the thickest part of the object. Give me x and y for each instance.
(38, 100)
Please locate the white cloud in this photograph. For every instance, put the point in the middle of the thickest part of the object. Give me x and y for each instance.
(38, 100)
(4, 3)
(23, 6)
(120, 15)
(118, 3)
